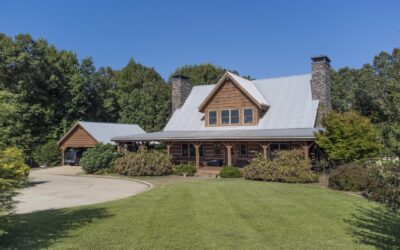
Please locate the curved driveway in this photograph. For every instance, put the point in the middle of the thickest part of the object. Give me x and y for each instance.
(60, 187)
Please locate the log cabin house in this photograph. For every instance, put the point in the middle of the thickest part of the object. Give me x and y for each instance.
(232, 121)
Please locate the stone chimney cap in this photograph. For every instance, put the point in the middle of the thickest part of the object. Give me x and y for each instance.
(321, 58)
(181, 77)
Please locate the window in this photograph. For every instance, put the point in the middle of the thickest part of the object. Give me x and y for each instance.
(188, 150)
(248, 115)
(212, 117)
(234, 116)
(217, 149)
(225, 116)
(243, 149)
(275, 147)
(230, 116)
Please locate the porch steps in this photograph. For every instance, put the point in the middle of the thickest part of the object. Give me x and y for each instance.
(208, 171)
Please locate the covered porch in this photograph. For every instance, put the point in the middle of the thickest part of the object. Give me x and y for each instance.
(218, 148)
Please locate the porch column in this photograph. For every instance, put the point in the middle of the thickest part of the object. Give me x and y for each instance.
(265, 148)
(62, 156)
(306, 148)
(229, 153)
(169, 145)
(197, 148)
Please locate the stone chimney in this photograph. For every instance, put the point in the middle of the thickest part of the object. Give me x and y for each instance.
(181, 87)
(321, 85)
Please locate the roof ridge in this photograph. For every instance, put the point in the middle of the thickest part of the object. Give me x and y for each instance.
(278, 77)
(111, 123)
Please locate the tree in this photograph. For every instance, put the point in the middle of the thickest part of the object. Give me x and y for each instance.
(348, 137)
(374, 92)
(143, 97)
(48, 154)
(202, 74)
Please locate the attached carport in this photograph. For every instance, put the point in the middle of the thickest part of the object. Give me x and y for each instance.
(84, 135)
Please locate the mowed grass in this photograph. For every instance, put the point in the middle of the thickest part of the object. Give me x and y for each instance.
(214, 214)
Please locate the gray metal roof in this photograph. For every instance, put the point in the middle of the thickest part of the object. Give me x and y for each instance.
(289, 99)
(103, 132)
(248, 135)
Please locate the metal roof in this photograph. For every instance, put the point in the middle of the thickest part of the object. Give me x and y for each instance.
(103, 132)
(289, 99)
(259, 134)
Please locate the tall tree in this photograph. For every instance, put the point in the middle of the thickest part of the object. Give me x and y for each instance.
(143, 97)
(202, 74)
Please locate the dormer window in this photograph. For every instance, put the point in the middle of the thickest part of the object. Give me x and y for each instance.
(230, 116)
(248, 115)
(212, 117)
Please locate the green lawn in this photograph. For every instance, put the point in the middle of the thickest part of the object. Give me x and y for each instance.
(214, 214)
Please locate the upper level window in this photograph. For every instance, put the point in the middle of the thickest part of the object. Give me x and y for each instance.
(230, 116)
(225, 116)
(248, 115)
(212, 117)
(234, 116)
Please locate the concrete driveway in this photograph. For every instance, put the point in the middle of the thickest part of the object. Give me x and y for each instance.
(60, 187)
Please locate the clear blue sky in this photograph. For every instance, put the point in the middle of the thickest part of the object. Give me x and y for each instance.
(257, 38)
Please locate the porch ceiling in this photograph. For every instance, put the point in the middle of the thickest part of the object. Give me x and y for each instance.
(260, 134)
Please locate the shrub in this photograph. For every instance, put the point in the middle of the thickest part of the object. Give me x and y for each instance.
(230, 172)
(13, 173)
(12, 165)
(99, 159)
(144, 163)
(287, 166)
(48, 154)
(386, 188)
(348, 137)
(185, 170)
(350, 177)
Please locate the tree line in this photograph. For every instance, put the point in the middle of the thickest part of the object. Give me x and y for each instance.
(44, 90)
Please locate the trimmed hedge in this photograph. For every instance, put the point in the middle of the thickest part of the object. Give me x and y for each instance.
(144, 163)
(185, 170)
(287, 166)
(99, 159)
(48, 154)
(230, 172)
(350, 177)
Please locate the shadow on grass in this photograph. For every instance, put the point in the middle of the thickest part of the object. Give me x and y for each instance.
(41, 229)
(376, 227)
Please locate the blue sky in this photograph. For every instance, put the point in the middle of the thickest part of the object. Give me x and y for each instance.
(257, 38)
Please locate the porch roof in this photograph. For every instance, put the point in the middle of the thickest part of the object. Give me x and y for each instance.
(248, 135)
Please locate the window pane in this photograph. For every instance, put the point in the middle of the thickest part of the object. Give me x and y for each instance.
(202, 150)
(212, 117)
(243, 149)
(234, 116)
(184, 150)
(273, 148)
(225, 116)
(217, 149)
(284, 146)
(248, 116)
(192, 150)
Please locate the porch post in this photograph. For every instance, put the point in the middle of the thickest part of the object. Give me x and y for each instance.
(197, 148)
(169, 145)
(306, 148)
(265, 148)
(62, 156)
(229, 153)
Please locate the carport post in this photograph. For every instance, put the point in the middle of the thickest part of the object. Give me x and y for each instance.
(62, 156)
